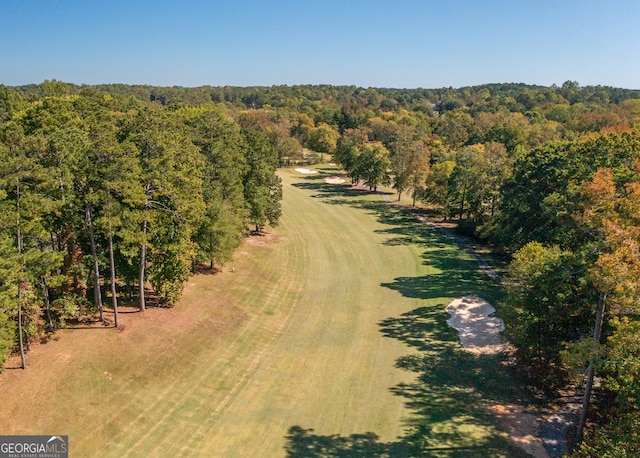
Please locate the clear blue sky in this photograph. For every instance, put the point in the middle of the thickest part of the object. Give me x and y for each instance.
(397, 43)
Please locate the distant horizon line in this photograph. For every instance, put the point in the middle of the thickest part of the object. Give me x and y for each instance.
(551, 86)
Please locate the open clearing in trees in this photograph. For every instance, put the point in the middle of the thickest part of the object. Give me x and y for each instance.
(329, 338)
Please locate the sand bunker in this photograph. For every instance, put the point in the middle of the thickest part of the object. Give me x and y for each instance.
(306, 171)
(479, 333)
(333, 180)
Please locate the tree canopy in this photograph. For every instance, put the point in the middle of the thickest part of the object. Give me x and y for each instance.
(108, 188)
(98, 194)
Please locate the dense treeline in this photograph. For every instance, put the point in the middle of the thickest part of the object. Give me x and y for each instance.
(172, 176)
(105, 200)
(570, 214)
(332, 99)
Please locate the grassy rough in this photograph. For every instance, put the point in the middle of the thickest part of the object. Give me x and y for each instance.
(330, 341)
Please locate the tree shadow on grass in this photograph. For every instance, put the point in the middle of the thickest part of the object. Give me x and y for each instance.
(454, 388)
(330, 191)
(319, 177)
(402, 226)
(448, 400)
(453, 283)
(450, 396)
(303, 443)
(327, 191)
(420, 327)
(451, 273)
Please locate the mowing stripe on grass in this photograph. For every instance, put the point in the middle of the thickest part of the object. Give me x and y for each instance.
(331, 335)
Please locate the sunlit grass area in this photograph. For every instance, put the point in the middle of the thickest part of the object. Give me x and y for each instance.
(329, 338)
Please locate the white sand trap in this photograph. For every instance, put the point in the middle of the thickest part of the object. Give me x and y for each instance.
(306, 171)
(333, 180)
(479, 333)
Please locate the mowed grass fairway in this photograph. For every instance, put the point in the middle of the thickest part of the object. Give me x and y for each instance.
(329, 339)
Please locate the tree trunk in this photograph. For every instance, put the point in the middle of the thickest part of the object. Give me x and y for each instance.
(97, 294)
(211, 248)
(464, 200)
(45, 294)
(112, 266)
(19, 242)
(143, 262)
(21, 339)
(493, 206)
(586, 400)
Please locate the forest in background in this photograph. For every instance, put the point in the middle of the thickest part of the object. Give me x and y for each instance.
(105, 189)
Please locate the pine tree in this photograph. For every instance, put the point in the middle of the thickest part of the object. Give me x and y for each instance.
(262, 187)
(223, 150)
(171, 204)
(24, 207)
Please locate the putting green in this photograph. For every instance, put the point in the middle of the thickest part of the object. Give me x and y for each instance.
(328, 339)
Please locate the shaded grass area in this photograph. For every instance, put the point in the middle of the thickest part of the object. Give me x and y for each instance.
(449, 271)
(453, 389)
(305, 350)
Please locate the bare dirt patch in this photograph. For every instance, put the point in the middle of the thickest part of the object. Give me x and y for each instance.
(261, 239)
(520, 428)
(67, 377)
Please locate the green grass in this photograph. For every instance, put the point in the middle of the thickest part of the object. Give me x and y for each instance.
(330, 342)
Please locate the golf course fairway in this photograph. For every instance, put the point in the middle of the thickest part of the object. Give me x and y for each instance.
(328, 338)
